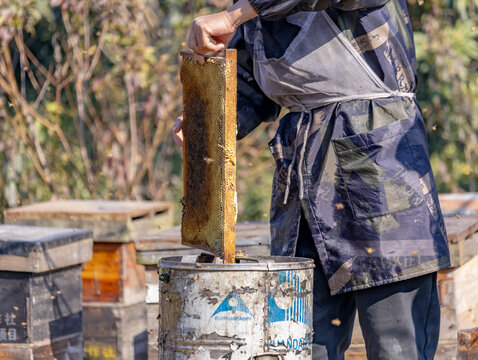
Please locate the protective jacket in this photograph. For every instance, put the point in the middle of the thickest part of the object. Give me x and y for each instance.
(352, 153)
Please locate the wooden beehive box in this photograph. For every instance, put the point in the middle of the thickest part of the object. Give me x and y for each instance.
(40, 292)
(462, 238)
(115, 331)
(252, 238)
(458, 285)
(110, 221)
(459, 203)
(209, 127)
(113, 275)
(148, 251)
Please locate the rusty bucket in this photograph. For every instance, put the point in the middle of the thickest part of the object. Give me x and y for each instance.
(258, 308)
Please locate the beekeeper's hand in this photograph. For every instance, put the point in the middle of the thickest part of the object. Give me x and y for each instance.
(212, 33)
(178, 131)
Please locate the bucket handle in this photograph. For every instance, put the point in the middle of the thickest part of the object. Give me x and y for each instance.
(267, 356)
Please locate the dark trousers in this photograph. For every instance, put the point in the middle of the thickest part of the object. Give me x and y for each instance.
(399, 321)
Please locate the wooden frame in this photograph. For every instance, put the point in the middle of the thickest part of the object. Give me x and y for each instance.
(209, 97)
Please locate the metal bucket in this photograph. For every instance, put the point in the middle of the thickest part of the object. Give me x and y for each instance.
(259, 308)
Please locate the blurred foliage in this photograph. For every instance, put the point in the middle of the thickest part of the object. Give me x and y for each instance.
(89, 91)
(447, 52)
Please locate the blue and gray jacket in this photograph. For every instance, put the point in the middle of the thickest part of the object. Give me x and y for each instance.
(363, 182)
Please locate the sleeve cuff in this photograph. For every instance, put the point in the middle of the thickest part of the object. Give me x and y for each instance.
(273, 9)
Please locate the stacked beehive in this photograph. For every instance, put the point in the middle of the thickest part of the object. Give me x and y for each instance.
(40, 292)
(458, 285)
(114, 307)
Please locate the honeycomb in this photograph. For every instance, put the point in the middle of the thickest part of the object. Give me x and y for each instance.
(209, 128)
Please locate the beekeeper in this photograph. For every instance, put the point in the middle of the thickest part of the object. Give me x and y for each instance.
(353, 188)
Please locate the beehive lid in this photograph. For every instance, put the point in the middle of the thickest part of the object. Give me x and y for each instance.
(462, 234)
(110, 221)
(209, 127)
(463, 204)
(247, 234)
(99, 210)
(251, 237)
(39, 249)
(461, 227)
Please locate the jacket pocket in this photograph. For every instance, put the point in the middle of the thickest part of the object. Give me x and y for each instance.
(377, 171)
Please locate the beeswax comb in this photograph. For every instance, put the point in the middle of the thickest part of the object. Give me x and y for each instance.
(209, 128)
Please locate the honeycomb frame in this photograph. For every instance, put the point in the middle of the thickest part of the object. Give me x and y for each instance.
(209, 153)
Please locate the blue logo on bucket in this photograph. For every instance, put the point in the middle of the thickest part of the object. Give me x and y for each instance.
(300, 309)
(290, 344)
(234, 303)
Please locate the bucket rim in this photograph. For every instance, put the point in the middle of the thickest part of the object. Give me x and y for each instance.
(276, 263)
